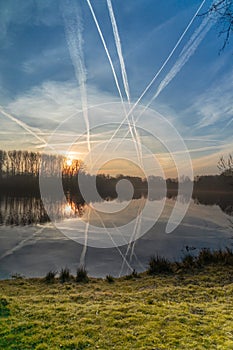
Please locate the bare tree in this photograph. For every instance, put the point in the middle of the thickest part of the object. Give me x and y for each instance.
(223, 9)
(226, 165)
(2, 162)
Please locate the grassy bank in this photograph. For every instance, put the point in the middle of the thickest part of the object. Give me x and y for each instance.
(189, 309)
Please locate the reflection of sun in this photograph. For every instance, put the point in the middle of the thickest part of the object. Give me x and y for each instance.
(68, 209)
(68, 161)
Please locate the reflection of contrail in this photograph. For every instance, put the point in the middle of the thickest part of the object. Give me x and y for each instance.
(112, 239)
(73, 30)
(22, 243)
(22, 124)
(123, 73)
(125, 255)
(136, 228)
(135, 238)
(160, 70)
(84, 251)
(113, 70)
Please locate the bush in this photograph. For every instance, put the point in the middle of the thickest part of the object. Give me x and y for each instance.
(133, 274)
(50, 276)
(4, 310)
(158, 265)
(228, 256)
(224, 256)
(188, 261)
(81, 275)
(109, 279)
(17, 276)
(65, 275)
(205, 257)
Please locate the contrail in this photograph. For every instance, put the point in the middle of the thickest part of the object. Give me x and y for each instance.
(119, 50)
(171, 53)
(123, 72)
(160, 70)
(112, 68)
(186, 53)
(106, 49)
(74, 37)
(230, 122)
(23, 125)
(184, 56)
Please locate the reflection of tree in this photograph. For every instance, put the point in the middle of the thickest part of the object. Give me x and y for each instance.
(30, 210)
(22, 211)
(223, 200)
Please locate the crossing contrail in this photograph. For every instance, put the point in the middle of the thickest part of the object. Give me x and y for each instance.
(188, 50)
(134, 234)
(22, 125)
(161, 68)
(123, 73)
(112, 239)
(119, 50)
(106, 49)
(113, 70)
(171, 53)
(74, 37)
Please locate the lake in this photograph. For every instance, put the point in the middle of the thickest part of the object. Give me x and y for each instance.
(31, 245)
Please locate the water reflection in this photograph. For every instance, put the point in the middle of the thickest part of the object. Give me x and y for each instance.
(30, 210)
(37, 246)
(23, 211)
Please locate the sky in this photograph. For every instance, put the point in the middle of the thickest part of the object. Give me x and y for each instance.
(71, 71)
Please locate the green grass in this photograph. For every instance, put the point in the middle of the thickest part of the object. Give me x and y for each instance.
(184, 310)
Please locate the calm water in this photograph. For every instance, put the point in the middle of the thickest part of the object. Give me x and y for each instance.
(31, 245)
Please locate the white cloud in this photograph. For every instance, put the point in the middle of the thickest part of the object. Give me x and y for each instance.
(23, 12)
(45, 107)
(215, 104)
(46, 60)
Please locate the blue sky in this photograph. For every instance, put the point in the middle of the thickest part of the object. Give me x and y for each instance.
(43, 80)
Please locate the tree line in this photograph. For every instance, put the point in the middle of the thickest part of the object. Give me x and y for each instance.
(16, 163)
(19, 171)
